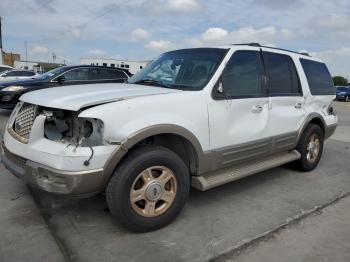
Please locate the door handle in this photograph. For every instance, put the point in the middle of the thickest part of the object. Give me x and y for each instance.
(298, 105)
(257, 109)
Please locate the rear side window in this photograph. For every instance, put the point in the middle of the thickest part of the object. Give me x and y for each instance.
(242, 75)
(318, 77)
(282, 75)
(26, 73)
(13, 73)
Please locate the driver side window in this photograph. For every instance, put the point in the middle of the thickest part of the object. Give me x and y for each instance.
(78, 74)
(243, 74)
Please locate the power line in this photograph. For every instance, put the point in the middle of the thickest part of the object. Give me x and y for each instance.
(80, 26)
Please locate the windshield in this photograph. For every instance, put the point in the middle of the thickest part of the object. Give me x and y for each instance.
(52, 73)
(187, 69)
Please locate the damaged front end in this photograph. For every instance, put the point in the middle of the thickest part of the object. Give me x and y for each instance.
(56, 150)
(66, 127)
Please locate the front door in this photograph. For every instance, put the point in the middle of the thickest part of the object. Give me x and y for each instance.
(239, 112)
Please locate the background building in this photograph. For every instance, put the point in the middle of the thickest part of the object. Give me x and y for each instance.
(133, 66)
(9, 58)
(36, 66)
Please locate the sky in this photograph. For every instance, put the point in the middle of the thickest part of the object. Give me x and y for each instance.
(142, 29)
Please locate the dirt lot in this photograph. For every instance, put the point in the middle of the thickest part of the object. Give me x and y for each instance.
(278, 215)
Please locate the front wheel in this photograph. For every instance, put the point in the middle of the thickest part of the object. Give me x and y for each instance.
(347, 98)
(310, 147)
(148, 189)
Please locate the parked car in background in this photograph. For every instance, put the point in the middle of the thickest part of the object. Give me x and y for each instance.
(202, 117)
(342, 93)
(10, 91)
(5, 68)
(16, 74)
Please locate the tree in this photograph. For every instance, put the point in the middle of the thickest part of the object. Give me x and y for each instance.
(340, 81)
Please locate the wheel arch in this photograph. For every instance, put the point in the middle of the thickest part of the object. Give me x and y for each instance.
(176, 138)
(313, 118)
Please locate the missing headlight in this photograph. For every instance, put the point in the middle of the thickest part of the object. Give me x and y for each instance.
(89, 132)
(67, 127)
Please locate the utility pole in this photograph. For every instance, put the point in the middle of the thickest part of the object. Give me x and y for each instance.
(25, 43)
(0, 41)
(0, 33)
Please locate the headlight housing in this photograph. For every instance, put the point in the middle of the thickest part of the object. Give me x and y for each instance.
(66, 126)
(13, 88)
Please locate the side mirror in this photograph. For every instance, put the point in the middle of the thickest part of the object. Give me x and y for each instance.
(60, 79)
(220, 87)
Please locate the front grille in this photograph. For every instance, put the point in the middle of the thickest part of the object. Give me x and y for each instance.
(17, 160)
(24, 121)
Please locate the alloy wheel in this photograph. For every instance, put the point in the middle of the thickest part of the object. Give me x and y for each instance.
(153, 191)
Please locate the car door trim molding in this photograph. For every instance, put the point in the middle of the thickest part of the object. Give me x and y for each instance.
(232, 155)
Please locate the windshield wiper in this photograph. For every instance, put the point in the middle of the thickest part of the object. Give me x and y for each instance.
(151, 82)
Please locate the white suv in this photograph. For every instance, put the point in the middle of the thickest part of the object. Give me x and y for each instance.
(197, 117)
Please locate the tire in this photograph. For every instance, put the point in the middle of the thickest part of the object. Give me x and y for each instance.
(347, 99)
(151, 212)
(309, 158)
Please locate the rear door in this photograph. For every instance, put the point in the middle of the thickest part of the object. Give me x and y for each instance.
(286, 101)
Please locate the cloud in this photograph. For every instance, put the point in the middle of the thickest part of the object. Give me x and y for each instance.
(183, 5)
(214, 34)
(269, 35)
(266, 35)
(275, 4)
(140, 34)
(71, 28)
(337, 60)
(160, 45)
(97, 52)
(40, 49)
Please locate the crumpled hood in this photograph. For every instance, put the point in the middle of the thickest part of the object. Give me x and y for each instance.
(80, 96)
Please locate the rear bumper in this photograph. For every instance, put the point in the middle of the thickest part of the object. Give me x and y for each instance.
(79, 183)
(329, 130)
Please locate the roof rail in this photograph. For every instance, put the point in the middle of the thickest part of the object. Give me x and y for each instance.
(250, 44)
(275, 48)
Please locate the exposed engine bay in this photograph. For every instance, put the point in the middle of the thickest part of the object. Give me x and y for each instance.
(66, 127)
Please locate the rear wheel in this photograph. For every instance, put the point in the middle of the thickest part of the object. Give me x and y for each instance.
(148, 189)
(347, 98)
(310, 147)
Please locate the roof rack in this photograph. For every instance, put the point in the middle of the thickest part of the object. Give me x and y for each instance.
(275, 48)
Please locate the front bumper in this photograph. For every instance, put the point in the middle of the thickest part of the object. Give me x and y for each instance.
(78, 183)
(57, 167)
(8, 99)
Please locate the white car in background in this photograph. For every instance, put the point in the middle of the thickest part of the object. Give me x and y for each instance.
(16, 74)
(4, 68)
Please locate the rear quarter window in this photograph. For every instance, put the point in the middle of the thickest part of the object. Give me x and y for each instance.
(318, 77)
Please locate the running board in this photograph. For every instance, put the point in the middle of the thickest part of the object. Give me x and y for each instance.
(229, 174)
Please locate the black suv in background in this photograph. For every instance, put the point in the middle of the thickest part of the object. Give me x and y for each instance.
(10, 91)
